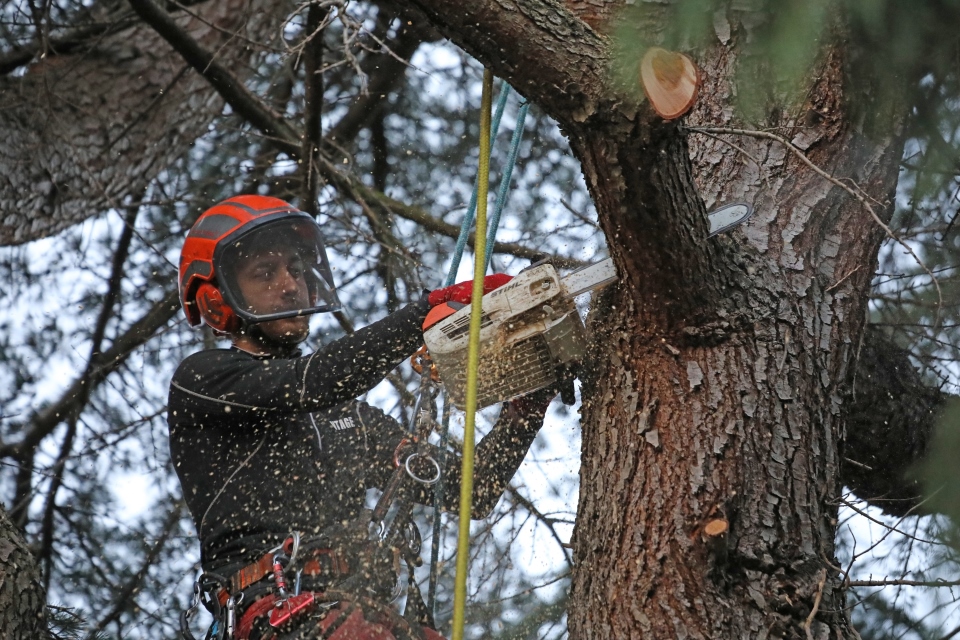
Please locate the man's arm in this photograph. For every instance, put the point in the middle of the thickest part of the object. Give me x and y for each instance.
(225, 381)
(500, 453)
(497, 456)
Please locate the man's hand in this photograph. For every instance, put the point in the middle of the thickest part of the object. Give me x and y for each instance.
(536, 402)
(461, 292)
(447, 301)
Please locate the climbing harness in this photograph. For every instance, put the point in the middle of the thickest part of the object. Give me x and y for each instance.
(273, 588)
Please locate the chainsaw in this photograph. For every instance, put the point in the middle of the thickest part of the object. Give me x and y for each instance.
(530, 327)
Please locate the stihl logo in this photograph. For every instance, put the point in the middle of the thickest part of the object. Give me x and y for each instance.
(340, 425)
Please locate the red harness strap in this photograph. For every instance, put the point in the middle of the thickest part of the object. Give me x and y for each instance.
(256, 571)
(350, 618)
(253, 612)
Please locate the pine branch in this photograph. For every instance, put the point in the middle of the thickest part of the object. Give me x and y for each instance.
(129, 590)
(45, 421)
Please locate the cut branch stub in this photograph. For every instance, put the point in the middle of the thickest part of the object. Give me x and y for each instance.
(715, 528)
(670, 80)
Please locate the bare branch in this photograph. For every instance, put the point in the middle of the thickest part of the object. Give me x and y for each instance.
(46, 420)
(246, 104)
(569, 84)
(313, 105)
(279, 133)
(124, 595)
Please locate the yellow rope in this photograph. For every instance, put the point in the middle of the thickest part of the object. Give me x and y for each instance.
(473, 363)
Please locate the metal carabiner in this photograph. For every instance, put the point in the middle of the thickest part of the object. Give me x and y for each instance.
(295, 547)
(280, 560)
(231, 605)
(411, 536)
(426, 481)
(187, 615)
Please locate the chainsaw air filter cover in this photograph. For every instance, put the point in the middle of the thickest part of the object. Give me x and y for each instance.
(529, 326)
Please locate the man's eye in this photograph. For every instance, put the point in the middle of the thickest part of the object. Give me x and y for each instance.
(263, 274)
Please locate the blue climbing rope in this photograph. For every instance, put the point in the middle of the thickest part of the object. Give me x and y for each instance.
(505, 179)
(472, 207)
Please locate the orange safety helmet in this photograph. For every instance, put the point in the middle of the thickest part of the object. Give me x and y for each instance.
(234, 230)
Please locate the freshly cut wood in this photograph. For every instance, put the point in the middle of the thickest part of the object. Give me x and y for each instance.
(715, 528)
(671, 81)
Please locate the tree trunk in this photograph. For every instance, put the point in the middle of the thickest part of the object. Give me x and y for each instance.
(713, 427)
(22, 599)
(712, 441)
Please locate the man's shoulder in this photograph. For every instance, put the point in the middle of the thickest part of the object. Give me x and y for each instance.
(213, 356)
(202, 363)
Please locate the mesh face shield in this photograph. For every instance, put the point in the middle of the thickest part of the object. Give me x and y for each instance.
(277, 270)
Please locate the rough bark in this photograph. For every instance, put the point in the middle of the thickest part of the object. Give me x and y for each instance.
(22, 598)
(722, 364)
(732, 413)
(70, 152)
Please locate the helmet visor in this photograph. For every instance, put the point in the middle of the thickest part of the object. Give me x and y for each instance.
(277, 270)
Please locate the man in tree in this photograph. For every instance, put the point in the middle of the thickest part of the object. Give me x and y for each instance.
(274, 453)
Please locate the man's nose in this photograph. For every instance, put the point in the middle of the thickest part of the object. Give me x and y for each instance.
(288, 282)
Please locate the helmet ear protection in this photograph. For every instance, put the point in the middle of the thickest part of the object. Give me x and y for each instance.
(214, 309)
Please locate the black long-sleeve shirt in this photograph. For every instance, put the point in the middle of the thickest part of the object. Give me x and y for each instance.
(264, 446)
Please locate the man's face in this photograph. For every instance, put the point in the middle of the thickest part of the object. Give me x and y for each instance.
(272, 281)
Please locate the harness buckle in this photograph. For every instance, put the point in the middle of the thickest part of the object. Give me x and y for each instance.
(289, 607)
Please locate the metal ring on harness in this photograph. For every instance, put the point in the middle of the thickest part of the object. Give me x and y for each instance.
(426, 481)
(293, 542)
(295, 546)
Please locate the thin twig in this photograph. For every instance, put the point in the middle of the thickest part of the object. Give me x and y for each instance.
(129, 590)
(816, 604)
(894, 582)
(889, 528)
(826, 176)
(766, 178)
(842, 280)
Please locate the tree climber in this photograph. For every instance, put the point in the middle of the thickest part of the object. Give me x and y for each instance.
(273, 451)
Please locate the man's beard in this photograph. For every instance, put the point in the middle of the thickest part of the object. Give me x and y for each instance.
(285, 343)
